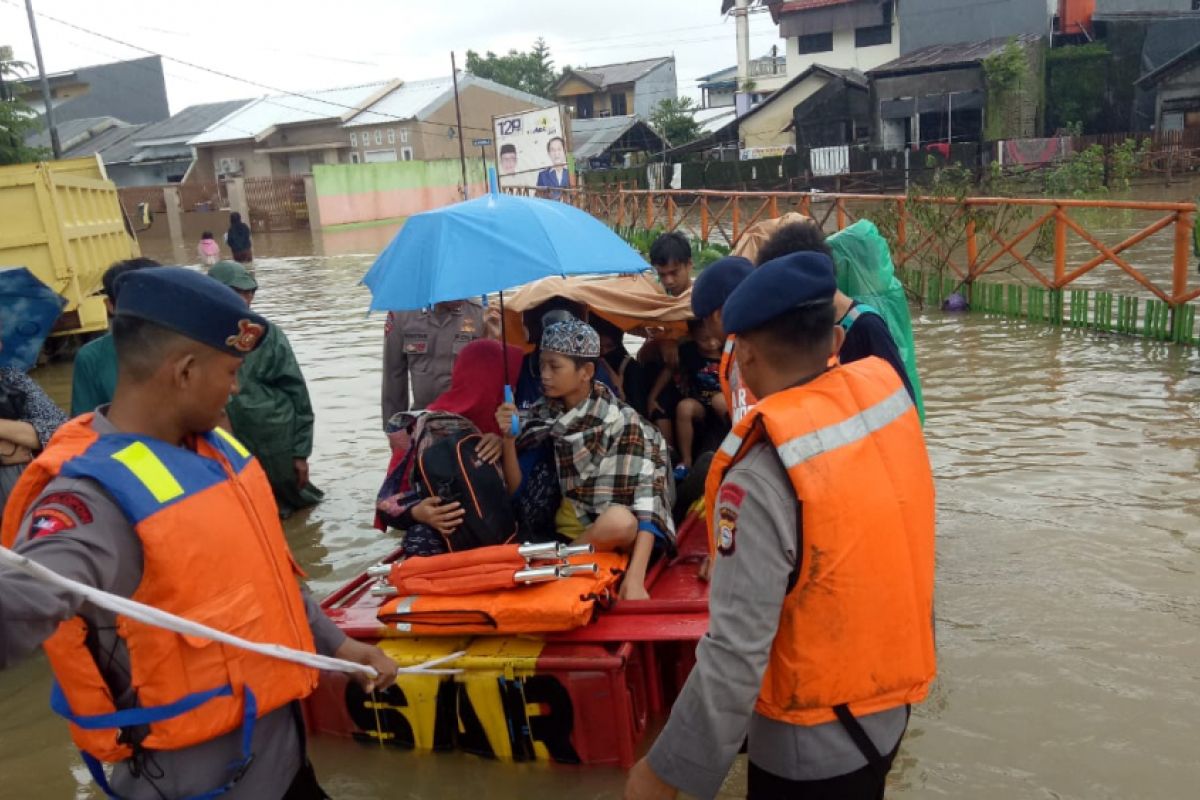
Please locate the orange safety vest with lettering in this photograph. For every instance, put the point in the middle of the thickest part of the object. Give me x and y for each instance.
(213, 551)
(856, 627)
(738, 397)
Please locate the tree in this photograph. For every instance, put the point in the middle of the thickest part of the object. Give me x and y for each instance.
(17, 120)
(675, 121)
(531, 71)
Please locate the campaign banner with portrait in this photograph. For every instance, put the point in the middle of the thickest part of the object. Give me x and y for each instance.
(531, 149)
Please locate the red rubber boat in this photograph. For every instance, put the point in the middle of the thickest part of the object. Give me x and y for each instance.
(582, 696)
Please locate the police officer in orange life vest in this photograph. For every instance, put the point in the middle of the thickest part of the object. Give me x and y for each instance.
(822, 510)
(147, 499)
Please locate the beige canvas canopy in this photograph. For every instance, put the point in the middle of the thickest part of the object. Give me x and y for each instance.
(757, 234)
(632, 302)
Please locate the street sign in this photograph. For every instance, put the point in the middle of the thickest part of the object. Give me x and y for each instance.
(481, 142)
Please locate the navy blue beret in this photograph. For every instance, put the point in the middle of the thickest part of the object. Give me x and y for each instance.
(192, 304)
(713, 286)
(779, 285)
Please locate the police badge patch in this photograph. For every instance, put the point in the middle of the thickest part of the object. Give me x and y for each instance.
(726, 529)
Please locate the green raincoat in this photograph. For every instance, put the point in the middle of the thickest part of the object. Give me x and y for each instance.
(273, 416)
(865, 273)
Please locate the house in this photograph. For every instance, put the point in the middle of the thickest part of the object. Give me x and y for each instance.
(159, 152)
(134, 92)
(1141, 36)
(416, 122)
(615, 90)
(380, 121)
(924, 23)
(1176, 86)
(842, 34)
(600, 143)
(838, 116)
(767, 74)
(939, 94)
(838, 113)
(282, 135)
(87, 136)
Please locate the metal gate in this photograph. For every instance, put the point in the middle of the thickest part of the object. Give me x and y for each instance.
(277, 204)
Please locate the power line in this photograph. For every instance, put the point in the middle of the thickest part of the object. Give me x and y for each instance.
(246, 81)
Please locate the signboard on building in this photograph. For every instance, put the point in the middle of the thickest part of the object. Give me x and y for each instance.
(751, 153)
(532, 149)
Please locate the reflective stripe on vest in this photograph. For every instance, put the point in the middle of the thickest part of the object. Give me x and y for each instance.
(152, 474)
(147, 468)
(854, 313)
(848, 431)
(224, 441)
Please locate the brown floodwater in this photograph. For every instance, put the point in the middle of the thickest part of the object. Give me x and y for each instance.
(1068, 557)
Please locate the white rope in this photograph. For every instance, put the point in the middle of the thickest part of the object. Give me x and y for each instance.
(185, 627)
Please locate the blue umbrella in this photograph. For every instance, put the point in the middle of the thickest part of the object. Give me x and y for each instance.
(490, 244)
(30, 309)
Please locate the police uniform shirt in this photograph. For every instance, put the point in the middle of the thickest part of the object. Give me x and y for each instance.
(714, 713)
(75, 529)
(418, 351)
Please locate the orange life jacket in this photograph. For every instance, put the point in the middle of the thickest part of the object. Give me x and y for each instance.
(213, 551)
(856, 627)
(558, 605)
(738, 397)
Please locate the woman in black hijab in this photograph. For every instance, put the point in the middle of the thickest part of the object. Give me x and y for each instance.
(238, 239)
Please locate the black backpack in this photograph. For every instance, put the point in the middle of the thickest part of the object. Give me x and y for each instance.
(451, 469)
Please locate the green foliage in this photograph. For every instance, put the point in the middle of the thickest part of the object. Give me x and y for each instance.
(675, 120)
(1078, 175)
(936, 220)
(531, 71)
(1076, 85)
(1005, 75)
(1082, 174)
(17, 120)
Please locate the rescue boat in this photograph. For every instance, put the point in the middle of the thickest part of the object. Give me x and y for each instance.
(583, 694)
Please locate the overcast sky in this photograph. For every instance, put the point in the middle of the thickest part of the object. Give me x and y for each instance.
(301, 45)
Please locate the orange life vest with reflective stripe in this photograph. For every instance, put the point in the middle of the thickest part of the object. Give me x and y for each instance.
(558, 605)
(856, 627)
(738, 397)
(213, 551)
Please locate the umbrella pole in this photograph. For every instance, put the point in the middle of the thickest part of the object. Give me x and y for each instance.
(503, 338)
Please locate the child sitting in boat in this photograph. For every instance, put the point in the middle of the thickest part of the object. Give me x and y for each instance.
(476, 387)
(613, 467)
(701, 415)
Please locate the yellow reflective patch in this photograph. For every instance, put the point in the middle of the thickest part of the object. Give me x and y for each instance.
(232, 442)
(154, 475)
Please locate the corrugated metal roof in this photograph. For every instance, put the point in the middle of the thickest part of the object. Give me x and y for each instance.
(190, 121)
(939, 56)
(591, 137)
(114, 145)
(74, 132)
(419, 99)
(713, 119)
(266, 112)
(626, 72)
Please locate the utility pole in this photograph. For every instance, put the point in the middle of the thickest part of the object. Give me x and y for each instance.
(37, 53)
(741, 98)
(462, 147)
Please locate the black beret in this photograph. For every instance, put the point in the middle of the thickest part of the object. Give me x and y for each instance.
(194, 305)
(780, 285)
(718, 280)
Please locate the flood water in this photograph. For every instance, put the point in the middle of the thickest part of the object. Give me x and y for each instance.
(1068, 562)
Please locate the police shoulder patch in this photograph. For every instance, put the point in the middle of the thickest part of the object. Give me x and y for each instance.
(729, 503)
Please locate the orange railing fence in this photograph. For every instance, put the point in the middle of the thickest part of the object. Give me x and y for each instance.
(1055, 247)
